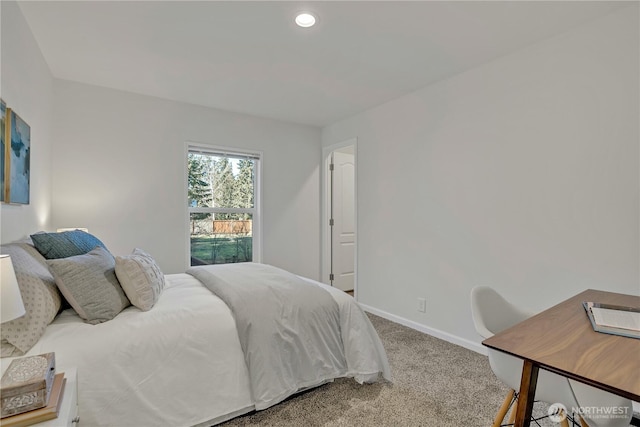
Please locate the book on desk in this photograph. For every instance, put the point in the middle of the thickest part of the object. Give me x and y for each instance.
(614, 319)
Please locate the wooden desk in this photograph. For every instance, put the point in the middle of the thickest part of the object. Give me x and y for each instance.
(561, 340)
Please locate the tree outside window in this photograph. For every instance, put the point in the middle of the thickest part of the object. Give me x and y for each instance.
(221, 203)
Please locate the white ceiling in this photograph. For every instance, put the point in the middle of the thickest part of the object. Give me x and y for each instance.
(249, 57)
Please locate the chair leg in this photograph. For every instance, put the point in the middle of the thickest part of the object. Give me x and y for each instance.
(512, 416)
(503, 409)
(506, 404)
(583, 423)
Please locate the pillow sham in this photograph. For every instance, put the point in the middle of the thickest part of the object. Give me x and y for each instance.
(65, 244)
(40, 297)
(141, 278)
(89, 284)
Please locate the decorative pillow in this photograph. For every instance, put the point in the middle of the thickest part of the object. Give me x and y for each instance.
(89, 284)
(141, 278)
(65, 244)
(40, 297)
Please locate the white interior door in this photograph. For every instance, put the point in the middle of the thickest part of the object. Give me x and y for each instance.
(343, 231)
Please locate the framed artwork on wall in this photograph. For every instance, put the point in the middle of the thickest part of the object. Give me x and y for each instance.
(17, 159)
(3, 114)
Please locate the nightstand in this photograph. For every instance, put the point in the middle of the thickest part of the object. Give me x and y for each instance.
(68, 416)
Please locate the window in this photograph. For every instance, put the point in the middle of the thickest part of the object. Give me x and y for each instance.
(222, 197)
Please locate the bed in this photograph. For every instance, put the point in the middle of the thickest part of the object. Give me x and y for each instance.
(183, 362)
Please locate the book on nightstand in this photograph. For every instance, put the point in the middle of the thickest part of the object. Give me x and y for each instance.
(49, 412)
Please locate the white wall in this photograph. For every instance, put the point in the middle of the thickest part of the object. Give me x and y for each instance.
(119, 164)
(521, 174)
(27, 87)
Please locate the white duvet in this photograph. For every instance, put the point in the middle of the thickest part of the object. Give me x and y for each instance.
(179, 364)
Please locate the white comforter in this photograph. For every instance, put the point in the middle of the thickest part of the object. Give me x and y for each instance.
(179, 364)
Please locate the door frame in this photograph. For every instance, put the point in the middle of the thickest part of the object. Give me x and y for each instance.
(326, 211)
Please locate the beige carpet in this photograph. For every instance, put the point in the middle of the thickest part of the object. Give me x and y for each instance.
(435, 383)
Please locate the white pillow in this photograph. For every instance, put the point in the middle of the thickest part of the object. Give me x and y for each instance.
(39, 294)
(141, 278)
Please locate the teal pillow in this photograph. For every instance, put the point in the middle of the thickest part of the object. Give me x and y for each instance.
(65, 244)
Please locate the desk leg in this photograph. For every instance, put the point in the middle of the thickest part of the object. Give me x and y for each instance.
(527, 394)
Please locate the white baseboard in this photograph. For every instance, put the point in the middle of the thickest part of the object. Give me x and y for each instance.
(473, 346)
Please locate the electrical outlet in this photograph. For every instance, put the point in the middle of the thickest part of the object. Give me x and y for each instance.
(422, 305)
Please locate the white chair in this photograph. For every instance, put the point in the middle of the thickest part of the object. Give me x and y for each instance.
(492, 314)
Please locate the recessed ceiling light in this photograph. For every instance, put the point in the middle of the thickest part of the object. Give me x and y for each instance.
(305, 20)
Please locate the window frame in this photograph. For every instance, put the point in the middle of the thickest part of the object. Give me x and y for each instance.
(256, 211)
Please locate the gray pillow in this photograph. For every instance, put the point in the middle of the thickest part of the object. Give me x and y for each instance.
(89, 284)
(141, 278)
